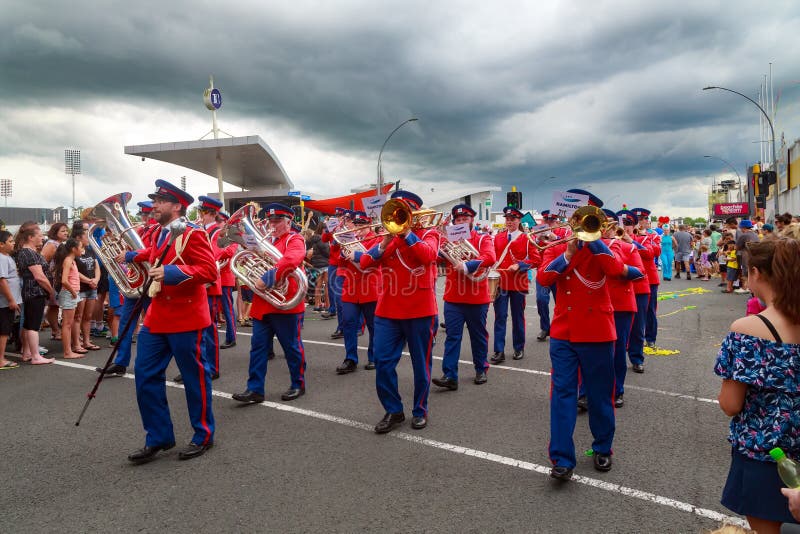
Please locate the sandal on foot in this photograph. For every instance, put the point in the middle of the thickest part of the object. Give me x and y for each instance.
(80, 351)
(74, 356)
(9, 365)
(91, 346)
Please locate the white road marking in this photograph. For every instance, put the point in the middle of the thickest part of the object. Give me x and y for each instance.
(533, 372)
(475, 453)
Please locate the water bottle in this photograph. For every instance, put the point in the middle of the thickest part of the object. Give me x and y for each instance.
(788, 469)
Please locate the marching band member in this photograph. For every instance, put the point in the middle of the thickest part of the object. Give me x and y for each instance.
(641, 289)
(228, 281)
(207, 212)
(582, 339)
(623, 300)
(466, 301)
(334, 281)
(518, 256)
(173, 326)
(269, 321)
(406, 313)
(652, 242)
(359, 296)
(122, 360)
(543, 292)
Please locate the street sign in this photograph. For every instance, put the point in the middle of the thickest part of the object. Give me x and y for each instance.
(305, 197)
(488, 203)
(293, 193)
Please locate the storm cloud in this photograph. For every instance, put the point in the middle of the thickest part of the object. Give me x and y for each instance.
(606, 94)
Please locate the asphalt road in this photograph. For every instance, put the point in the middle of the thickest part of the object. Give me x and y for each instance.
(314, 465)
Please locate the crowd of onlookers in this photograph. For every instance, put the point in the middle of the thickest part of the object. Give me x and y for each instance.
(52, 281)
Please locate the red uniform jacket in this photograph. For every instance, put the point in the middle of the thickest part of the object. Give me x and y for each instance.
(359, 285)
(583, 310)
(408, 275)
(147, 232)
(623, 297)
(521, 251)
(651, 250)
(181, 305)
(293, 248)
(460, 289)
(336, 251)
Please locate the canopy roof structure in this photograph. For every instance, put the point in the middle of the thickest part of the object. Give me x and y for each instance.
(247, 162)
(353, 201)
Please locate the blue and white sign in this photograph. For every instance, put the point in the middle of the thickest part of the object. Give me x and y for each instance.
(457, 232)
(305, 197)
(564, 204)
(373, 205)
(293, 193)
(212, 99)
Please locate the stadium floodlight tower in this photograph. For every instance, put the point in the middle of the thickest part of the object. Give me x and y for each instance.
(72, 165)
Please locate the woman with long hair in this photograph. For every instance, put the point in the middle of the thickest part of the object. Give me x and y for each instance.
(759, 363)
(36, 288)
(89, 275)
(56, 235)
(68, 297)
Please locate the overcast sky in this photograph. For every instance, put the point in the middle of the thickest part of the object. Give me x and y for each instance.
(605, 94)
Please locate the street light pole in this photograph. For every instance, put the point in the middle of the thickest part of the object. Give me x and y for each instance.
(380, 170)
(738, 176)
(772, 129)
(540, 184)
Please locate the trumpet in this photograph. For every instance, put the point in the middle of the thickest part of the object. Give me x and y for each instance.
(588, 224)
(459, 251)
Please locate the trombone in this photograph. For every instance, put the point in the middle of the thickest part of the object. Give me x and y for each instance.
(588, 224)
(396, 218)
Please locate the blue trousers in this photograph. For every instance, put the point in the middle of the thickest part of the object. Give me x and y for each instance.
(123, 356)
(227, 311)
(335, 294)
(286, 326)
(651, 326)
(153, 354)
(636, 341)
(354, 316)
(390, 337)
(622, 323)
(543, 306)
(455, 316)
(211, 336)
(667, 259)
(595, 361)
(501, 304)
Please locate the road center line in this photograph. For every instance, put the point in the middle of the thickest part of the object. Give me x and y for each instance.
(475, 453)
(533, 372)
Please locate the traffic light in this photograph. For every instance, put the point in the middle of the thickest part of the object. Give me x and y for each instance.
(761, 202)
(514, 199)
(768, 177)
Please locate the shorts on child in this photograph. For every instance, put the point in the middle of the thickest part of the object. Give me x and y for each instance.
(66, 301)
(247, 294)
(732, 274)
(89, 294)
(6, 321)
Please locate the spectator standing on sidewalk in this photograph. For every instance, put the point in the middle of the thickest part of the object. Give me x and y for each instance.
(746, 235)
(683, 251)
(10, 295)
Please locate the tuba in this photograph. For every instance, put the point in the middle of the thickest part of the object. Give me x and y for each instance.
(120, 237)
(257, 257)
(459, 251)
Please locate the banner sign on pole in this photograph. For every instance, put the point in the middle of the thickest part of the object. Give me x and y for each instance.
(457, 232)
(373, 205)
(331, 223)
(564, 204)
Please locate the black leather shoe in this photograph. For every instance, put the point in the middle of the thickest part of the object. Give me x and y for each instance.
(148, 453)
(499, 357)
(543, 335)
(619, 402)
(519, 354)
(178, 379)
(389, 422)
(638, 368)
(480, 378)
(561, 473)
(271, 355)
(446, 382)
(370, 366)
(327, 315)
(193, 450)
(291, 394)
(228, 345)
(214, 376)
(347, 366)
(583, 404)
(248, 396)
(443, 325)
(602, 462)
(114, 370)
(337, 335)
(419, 422)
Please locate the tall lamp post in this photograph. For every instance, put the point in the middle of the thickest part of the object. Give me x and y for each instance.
(772, 129)
(738, 176)
(540, 184)
(380, 170)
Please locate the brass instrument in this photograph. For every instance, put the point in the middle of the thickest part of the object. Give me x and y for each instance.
(257, 257)
(459, 251)
(120, 237)
(349, 243)
(587, 223)
(397, 217)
